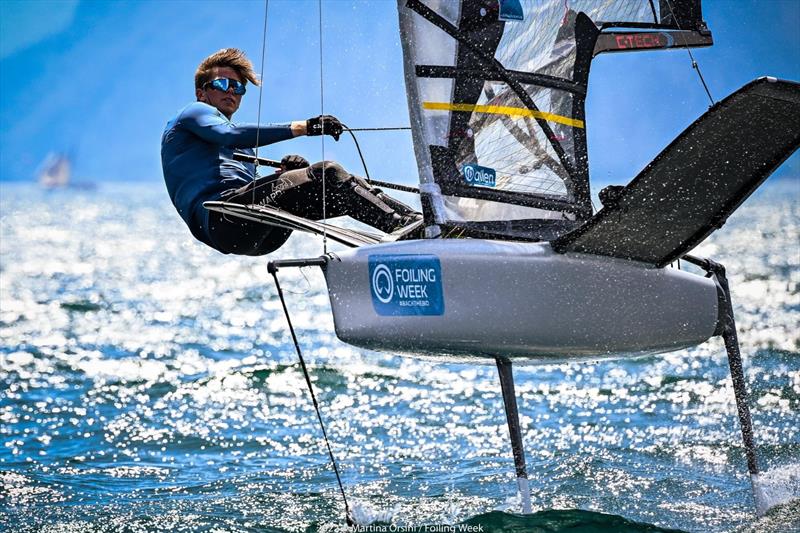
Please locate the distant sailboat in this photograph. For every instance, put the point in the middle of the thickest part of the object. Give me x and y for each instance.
(56, 171)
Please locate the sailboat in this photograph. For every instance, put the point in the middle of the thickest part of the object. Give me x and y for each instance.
(55, 171)
(511, 262)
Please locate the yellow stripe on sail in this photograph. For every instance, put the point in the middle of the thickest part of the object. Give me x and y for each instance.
(502, 110)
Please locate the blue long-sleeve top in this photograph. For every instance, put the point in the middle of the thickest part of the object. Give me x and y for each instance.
(197, 158)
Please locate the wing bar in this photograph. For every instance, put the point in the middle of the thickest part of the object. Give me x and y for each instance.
(692, 187)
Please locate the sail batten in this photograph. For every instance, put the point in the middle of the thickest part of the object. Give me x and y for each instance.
(502, 110)
(497, 91)
(442, 71)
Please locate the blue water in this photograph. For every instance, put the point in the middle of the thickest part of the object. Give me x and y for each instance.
(148, 383)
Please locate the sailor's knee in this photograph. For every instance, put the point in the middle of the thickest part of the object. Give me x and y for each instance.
(332, 171)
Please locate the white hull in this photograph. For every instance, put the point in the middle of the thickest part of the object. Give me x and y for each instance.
(481, 298)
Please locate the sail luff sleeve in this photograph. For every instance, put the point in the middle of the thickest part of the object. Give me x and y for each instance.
(430, 194)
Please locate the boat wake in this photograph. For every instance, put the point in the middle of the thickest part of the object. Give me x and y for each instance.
(776, 487)
(783, 518)
(364, 514)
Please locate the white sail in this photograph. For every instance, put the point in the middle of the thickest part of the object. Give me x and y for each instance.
(496, 92)
(56, 171)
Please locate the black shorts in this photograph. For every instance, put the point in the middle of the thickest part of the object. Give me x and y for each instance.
(232, 235)
(299, 192)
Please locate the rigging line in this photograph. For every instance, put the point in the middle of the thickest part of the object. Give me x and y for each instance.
(322, 138)
(399, 128)
(258, 116)
(363, 163)
(653, 9)
(260, 91)
(274, 272)
(388, 185)
(695, 65)
(358, 148)
(268, 162)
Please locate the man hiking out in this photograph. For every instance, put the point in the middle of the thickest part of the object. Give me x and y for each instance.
(197, 150)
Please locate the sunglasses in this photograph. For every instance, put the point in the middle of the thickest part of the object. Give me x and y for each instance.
(223, 84)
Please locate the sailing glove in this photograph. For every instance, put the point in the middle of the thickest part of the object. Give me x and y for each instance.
(293, 162)
(324, 125)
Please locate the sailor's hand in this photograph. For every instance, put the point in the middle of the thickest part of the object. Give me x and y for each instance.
(324, 125)
(293, 162)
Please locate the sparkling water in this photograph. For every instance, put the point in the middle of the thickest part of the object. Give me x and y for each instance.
(150, 383)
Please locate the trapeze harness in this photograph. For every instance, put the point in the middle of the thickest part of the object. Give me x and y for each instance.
(197, 158)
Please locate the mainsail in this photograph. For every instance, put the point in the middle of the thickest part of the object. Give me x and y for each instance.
(496, 92)
(55, 171)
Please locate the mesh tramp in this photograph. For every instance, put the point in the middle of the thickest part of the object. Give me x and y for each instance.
(678, 200)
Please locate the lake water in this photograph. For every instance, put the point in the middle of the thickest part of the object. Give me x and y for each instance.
(149, 383)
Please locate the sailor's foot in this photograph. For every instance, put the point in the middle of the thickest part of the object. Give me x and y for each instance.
(403, 216)
(399, 207)
(404, 220)
(388, 214)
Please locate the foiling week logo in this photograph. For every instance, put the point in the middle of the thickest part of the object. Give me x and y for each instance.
(382, 284)
(406, 284)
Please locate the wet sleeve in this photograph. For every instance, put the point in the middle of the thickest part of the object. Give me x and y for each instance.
(208, 124)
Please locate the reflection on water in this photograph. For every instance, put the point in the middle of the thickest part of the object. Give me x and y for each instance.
(148, 382)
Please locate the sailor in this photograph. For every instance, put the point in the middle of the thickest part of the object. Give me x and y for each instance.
(197, 150)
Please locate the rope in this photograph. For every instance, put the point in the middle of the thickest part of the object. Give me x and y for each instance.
(388, 185)
(695, 65)
(358, 149)
(385, 184)
(260, 90)
(322, 139)
(258, 119)
(313, 397)
(399, 128)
